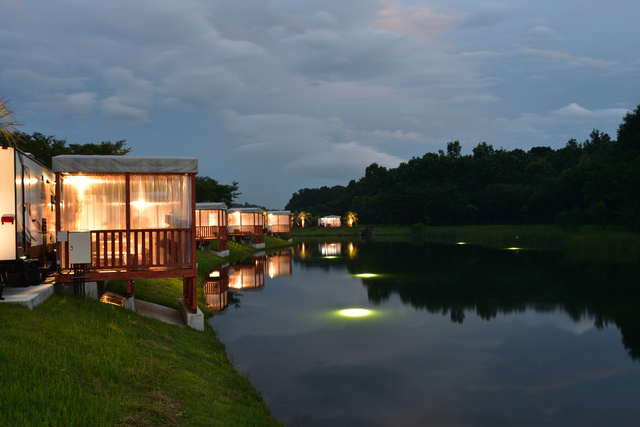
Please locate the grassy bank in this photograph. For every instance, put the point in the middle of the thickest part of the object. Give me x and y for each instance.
(325, 231)
(612, 239)
(77, 362)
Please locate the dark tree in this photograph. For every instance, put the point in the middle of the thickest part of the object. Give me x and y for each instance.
(209, 190)
(629, 133)
(46, 147)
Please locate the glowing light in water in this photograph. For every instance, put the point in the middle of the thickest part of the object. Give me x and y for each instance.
(365, 275)
(355, 312)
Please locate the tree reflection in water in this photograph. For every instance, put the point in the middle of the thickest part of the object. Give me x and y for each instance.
(454, 279)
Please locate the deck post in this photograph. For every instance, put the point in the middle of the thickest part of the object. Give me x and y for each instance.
(130, 289)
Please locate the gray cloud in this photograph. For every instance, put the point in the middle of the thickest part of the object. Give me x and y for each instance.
(372, 80)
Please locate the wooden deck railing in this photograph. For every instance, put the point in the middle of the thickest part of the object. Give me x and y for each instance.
(279, 228)
(138, 249)
(211, 232)
(246, 230)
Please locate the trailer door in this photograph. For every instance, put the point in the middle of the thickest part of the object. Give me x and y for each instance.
(7, 205)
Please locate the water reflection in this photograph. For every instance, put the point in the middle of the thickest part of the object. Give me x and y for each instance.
(248, 274)
(330, 249)
(216, 290)
(456, 335)
(454, 279)
(280, 264)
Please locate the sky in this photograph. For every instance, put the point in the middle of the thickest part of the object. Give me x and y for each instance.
(280, 95)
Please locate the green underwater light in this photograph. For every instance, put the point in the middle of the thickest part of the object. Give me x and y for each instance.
(355, 312)
(365, 275)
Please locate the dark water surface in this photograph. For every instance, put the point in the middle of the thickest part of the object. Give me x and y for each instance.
(459, 335)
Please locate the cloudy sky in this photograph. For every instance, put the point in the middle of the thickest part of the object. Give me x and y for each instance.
(286, 94)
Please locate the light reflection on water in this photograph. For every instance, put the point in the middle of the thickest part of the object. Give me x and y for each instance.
(462, 336)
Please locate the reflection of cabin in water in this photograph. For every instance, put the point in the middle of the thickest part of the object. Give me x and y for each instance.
(216, 290)
(127, 218)
(247, 275)
(246, 224)
(330, 249)
(279, 222)
(211, 225)
(329, 221)
(279, 264)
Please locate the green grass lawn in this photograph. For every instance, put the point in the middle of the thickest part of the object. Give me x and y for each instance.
(612, 239)
(78, 362)
(325, 231)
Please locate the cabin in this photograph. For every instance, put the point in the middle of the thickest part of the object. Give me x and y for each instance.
(329, 221)
(127, 218)
(279, 222)
(211, 226)
(247, 226)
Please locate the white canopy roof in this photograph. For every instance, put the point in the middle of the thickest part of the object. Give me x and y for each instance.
(245, 210)
(211, 206)
(331, 216)
(131, 164)
(278, 212)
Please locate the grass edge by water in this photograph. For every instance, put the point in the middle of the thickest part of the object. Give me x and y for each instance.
(75, 361)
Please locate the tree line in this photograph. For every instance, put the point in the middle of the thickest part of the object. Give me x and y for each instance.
(596, 181)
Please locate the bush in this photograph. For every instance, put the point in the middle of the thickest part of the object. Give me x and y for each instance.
(630, 217)
(418, 228)
(570, 220)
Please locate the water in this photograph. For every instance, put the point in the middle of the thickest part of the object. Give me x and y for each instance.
(459, 335)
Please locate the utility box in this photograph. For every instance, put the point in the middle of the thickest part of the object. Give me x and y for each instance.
(80, 247)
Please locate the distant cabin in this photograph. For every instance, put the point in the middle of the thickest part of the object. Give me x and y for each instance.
(246, 225)
(330, 221)
(279, 222)
(211, 225)
(126, 218)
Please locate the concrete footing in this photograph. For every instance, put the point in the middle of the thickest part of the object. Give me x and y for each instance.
(93, 290)
(192, 320)
(29, 297)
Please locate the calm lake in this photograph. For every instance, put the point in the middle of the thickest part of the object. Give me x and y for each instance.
(457, 335)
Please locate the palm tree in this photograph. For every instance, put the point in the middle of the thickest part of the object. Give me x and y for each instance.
(303, 216)
(7, 121)
(351, 218)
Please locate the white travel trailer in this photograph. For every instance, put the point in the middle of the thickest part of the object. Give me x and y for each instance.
(27, 206)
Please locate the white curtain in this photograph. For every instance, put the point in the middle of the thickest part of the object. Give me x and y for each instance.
(160, 201)
(93, 202)
(98, 202)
